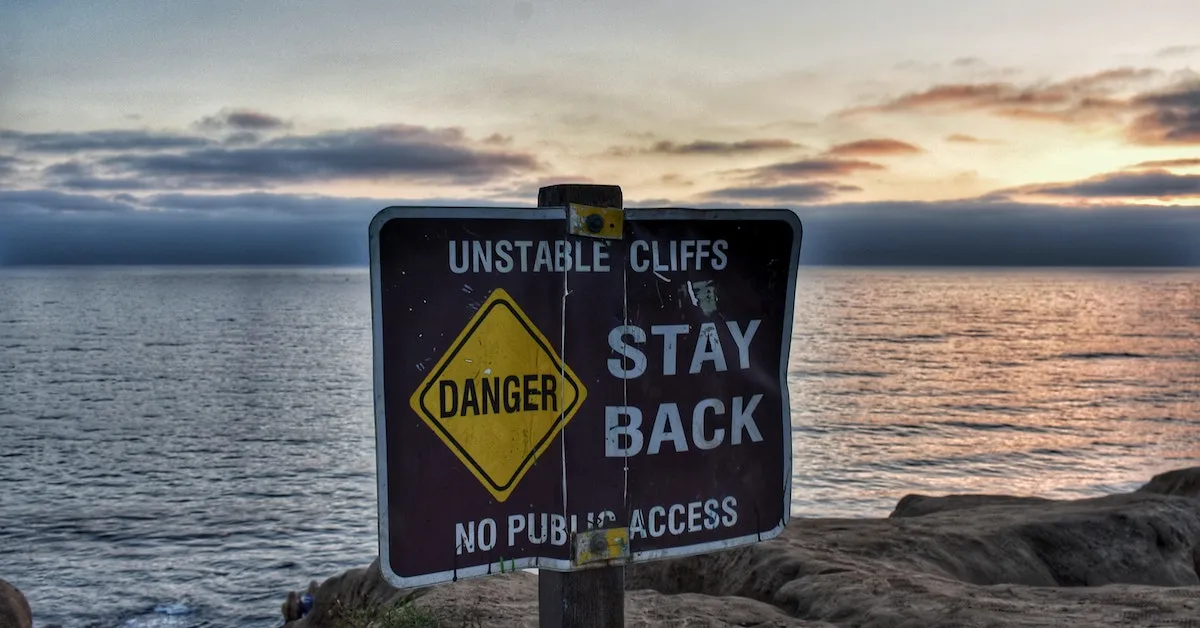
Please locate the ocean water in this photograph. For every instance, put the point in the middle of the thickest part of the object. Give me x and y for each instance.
(180, 447)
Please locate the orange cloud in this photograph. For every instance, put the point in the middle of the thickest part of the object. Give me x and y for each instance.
(708, 147)
(1167, 116)
(1074, 99)
(873, 147)
(960, 138)
(1168, 163)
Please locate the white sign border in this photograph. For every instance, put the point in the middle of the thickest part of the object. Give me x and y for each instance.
(560, 213)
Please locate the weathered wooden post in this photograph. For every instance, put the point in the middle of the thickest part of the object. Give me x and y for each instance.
(593, 598)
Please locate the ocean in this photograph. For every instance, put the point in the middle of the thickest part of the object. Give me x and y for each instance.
(179, 447)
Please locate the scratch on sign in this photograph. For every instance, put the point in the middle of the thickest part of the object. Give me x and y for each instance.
(704, 295)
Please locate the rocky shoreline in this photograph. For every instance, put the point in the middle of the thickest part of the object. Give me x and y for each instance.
(1128, 559)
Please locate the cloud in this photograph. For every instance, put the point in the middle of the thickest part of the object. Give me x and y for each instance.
(411, 153)
(871, 147)
(9, 165)
(1177, 51)
(709, 147)
(675, 179)
(1152, 184)
(1108, 79)
(81, 176)
(1167, 163)
(800, 181)
(101, 141)
(810, 168)
(242, 138)
(650, 203)
(962, 95)
(959, 138)
(140, 160)
(790, 125)
(1162, 116)
(242, 120)
(916, 66)
(1171, 116)
(791, 193)
(1076, 99)
(967, 62)
(94, 184)
(51, 201)
(496, 139)
(980, 233)
(527, 191)
(48, 227)
(73, 168)
(265, 204)
(706, 147)
(1086, 109)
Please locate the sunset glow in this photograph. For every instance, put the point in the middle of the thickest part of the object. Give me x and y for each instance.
(773, 103)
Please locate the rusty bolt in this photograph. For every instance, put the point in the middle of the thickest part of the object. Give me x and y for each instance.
(594, 223)
(598, 544)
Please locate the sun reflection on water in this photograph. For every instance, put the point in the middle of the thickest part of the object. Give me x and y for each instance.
(1055, 384)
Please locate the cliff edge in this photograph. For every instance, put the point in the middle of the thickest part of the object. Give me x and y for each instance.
(937, 561)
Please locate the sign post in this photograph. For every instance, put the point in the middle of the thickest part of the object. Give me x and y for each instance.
(577, 387)
(593, 597)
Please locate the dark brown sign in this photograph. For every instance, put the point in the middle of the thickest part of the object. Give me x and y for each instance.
(531, 383)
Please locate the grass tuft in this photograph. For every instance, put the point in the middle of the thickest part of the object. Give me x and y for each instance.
(404, 615)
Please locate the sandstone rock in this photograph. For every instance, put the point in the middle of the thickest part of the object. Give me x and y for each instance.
(997, 564)
(1181, 482)
(960, 560)
(14, 608)
(511, 600)
(919, 505)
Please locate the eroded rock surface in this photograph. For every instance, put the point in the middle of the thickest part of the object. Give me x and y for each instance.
(1180, 482)
(963, 560)
(14, 608)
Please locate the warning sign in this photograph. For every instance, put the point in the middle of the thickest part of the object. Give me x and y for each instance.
(552, 400)
(499, 395)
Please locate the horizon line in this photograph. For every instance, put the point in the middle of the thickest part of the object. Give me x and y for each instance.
(366, 266)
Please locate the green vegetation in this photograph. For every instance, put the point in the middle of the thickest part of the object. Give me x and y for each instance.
(404, 615)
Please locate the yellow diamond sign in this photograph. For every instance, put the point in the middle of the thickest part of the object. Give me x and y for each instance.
(499, 395)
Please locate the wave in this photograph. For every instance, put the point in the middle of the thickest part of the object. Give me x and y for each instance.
(987, 426)
(906, 339)
(838, 373)
(985, 408)
(164, 615)
(1104, 355)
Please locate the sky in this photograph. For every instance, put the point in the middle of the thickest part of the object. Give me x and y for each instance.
(921, 132)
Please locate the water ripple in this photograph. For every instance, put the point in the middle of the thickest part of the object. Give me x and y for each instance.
(183, 446)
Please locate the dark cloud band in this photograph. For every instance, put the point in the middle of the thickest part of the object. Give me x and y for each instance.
(395, 152)
(101, 141)
(45, 227)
